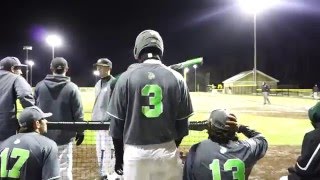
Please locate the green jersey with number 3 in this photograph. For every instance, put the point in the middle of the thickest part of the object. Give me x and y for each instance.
(150, 105)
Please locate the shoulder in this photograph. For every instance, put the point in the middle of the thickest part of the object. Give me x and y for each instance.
(39, 84)
(73, 87)
(45, 141)
(19, 79)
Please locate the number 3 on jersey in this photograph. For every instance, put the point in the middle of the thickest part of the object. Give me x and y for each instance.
(20, 154)
(155, 106)
(238, 174)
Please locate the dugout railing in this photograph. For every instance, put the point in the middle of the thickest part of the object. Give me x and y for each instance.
(85, 164)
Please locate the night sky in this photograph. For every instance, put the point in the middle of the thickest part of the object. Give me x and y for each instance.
(288, 36)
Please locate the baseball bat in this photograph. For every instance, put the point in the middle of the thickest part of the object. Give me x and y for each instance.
(187, 63)
(178, 66)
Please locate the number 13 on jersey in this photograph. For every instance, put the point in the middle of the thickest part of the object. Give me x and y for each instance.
(238, 174)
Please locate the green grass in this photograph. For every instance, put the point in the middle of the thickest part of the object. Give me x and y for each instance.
(286, 126)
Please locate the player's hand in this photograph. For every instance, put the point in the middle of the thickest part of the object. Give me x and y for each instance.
(291, 169)
(79, 138)
(231, 123)
(118, 168)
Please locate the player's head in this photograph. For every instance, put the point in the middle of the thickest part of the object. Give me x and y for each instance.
(148, 44)
(217, 127)
(33, 119)
(103, 66)
(59, 66)
(11, 64)
(314, 115)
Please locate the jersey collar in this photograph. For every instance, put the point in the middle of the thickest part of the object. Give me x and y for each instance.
(152, 61)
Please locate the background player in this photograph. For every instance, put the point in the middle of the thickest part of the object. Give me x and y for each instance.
(57, 94)
(150, 107)
(104, 145)
(308, 164)
(28, 154)
(12, 87)
(265, 92)
(223, 156)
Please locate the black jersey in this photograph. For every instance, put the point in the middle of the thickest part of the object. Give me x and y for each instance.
(209, 160)
(150, 105)
(28, 156)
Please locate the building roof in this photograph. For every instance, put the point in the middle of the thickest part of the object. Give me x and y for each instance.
(247, 73)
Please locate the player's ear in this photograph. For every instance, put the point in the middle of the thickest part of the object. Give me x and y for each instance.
(12, 69)
(36, 124)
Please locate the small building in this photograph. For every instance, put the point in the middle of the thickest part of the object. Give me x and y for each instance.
(243, 83)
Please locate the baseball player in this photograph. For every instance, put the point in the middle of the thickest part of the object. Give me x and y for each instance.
(223, 156)
(28, 154)
(265, 92)
(57, 94)
(12, 87)
(149, 110)
(104, 145)
(307, 166)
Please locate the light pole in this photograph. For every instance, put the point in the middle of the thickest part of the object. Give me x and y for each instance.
(185, 71)
(54, 41)
(30, 63)
(195, 77)
(254, 7)
(27, 48)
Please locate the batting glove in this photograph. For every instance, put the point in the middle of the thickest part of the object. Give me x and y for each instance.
(79, 138)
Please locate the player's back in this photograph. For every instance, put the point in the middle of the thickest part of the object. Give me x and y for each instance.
(230, 161)
(23, 156)
(154, 100)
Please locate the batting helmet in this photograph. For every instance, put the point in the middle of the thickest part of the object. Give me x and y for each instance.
(147, 39)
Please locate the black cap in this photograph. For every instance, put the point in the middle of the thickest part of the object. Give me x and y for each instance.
(314, 113)
(218, 118)
(8, 62)
(32, 113)
(59, 63)
(103, 62)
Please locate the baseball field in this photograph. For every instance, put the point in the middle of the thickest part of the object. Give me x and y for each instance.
(284, 124)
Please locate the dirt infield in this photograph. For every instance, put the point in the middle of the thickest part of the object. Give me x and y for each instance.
(271, 167)
(275, 163)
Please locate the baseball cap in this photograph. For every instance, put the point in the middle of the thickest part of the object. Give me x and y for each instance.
(32, 113)
(314, 113)
(103, 62)
(8, 62)
(218, 118)
(147, 39)
(59, 63)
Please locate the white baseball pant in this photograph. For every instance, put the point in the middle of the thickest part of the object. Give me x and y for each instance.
(105, 152)
(65, 159)
(152, 162)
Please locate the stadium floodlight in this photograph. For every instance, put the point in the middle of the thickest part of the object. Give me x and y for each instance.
(54, 41)
(96, 74)
(257, 6)
(30, 63)
(254, 7)
(195, 77)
